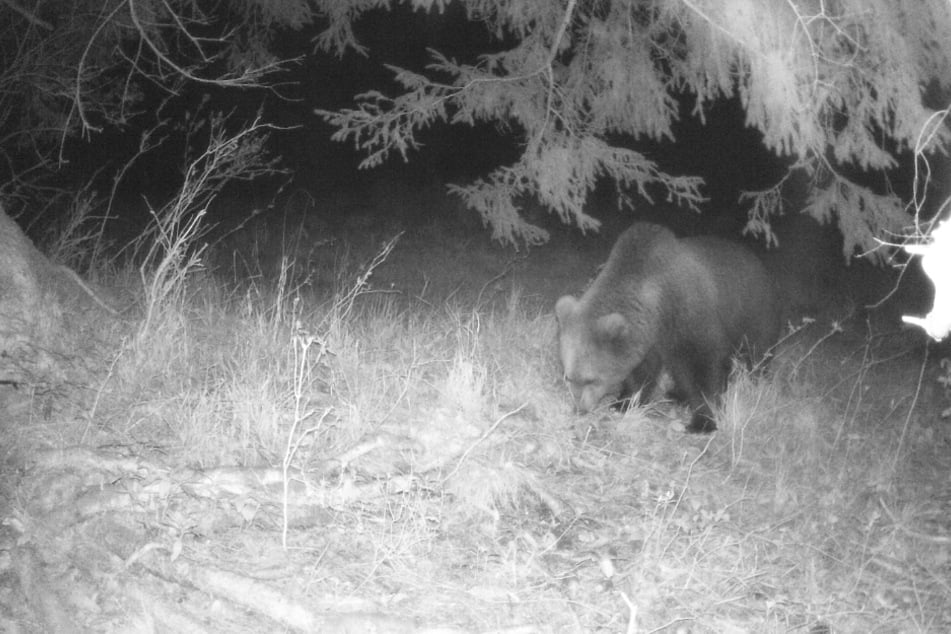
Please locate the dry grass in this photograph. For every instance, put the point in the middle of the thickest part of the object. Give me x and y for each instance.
(464, 493)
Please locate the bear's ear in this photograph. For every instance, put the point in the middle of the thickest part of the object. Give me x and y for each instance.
(612, 327)
(565, 307)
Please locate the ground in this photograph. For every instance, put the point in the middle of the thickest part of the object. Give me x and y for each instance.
(436, 477)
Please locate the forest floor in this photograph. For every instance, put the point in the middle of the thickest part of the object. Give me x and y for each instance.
(310, 440)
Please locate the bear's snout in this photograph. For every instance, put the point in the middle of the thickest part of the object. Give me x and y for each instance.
(588, 397)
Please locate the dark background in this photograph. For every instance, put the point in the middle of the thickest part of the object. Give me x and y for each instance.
(726, 153)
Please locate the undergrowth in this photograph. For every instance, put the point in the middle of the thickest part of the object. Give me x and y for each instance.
(815, 507)
(794, 513)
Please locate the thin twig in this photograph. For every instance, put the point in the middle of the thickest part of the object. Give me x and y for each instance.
(486, 434)
(30, 17)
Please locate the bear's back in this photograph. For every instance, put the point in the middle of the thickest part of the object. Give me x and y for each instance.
(746, 297)
(705, 282)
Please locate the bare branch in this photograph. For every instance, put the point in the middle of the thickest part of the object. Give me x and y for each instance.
(246, 79)
(30, 17)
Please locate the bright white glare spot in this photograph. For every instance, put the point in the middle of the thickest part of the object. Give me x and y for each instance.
(936, 263)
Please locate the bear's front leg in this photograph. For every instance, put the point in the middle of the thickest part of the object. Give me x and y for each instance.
(701, 380)
(702, 422)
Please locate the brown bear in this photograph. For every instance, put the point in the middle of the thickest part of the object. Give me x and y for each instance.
(664, 304)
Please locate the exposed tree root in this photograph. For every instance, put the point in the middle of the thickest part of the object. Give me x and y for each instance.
(86, 509)
(37, 588)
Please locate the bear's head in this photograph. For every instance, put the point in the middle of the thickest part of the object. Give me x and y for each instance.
(597, 353)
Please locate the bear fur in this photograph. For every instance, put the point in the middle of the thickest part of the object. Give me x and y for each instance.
(664, 304)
